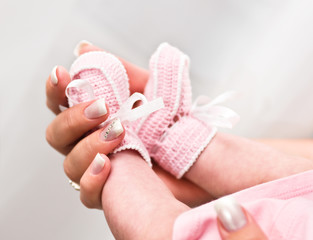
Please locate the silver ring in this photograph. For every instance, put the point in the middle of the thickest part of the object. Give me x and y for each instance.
(75, 185)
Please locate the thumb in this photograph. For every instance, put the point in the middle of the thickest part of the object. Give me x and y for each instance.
(235, 223)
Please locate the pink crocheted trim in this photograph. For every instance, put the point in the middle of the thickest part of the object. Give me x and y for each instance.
(108, 78)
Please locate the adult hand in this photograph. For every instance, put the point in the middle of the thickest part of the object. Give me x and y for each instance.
(68, 135)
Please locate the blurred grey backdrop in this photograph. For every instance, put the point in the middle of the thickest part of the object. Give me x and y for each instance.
(261, 48)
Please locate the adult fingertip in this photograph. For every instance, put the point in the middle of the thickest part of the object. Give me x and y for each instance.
(230, 213)
(55, 88)
(98, 164)
(96, 109)
(63, 77)
(92, 181)
(53, 76)
(62, 108)
(79, 46)
(99, 168)
(112, 131)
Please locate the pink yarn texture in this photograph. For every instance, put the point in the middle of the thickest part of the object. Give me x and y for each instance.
(108, 78)
(173, 137)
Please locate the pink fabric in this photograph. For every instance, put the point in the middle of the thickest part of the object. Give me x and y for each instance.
(167, 132)
(109, 80)
(283, 208)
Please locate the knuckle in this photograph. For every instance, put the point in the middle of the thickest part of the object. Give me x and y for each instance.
(86, 187)
(90, 193)
(49, 136)
(68, 170)
(70, 120)
(86, 195)
(87, 203)
(90, 146)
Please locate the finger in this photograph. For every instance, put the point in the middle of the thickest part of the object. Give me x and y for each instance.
(235, 223)
(92, 182)
(55, 88)
(74, 122)
(183, 190)
(103, 140)
(138, 76)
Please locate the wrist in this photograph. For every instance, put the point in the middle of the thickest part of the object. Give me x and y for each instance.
(136, 203)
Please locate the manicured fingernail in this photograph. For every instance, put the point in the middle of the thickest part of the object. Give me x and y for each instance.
(96, 109)
(62, 108)
(53, 76)
(79, 47)
(97, 164)
(230, 213)
(113, 130)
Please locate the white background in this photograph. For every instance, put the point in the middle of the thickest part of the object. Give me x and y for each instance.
(263, 49)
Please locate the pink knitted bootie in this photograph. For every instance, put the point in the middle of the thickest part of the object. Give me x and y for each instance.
(101, 75)
(176, 135)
